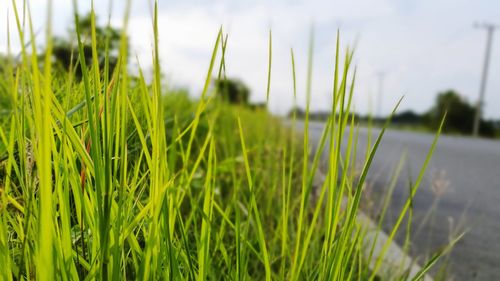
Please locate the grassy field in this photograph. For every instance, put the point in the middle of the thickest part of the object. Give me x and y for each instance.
(109, 177)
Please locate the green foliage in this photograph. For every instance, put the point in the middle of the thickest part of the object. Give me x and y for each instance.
(460, 115)
(107, 42)
(232, 90)
(5, 76)
(408, 117)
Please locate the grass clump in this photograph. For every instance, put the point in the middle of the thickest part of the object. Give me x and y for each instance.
(112, 178)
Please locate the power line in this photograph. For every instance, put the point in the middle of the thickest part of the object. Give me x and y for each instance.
(490, 29)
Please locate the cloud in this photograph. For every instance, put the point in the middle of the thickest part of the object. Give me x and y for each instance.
(423, 47)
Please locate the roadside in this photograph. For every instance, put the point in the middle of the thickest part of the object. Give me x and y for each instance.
(395, 260)
(463, 174)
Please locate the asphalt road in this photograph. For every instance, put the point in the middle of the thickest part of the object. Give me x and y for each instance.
(468, 170)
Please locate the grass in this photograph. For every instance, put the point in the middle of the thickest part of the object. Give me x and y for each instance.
(112, 178)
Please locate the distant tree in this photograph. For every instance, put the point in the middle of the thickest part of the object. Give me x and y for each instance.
(65, 50)
(297, 111)
(5, 96)
(3, 63)
(408, 117)
(232, 90)
(460, 114)
(258, 106)
(488, 128)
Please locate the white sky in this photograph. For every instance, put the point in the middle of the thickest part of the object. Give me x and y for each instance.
(423, 47)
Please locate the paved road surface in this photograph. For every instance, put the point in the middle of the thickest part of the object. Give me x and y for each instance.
(470, 171)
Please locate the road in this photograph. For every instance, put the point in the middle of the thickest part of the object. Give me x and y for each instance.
(467, 173)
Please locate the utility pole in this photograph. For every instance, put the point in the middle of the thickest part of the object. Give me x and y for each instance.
(490, 29)
(381, 76)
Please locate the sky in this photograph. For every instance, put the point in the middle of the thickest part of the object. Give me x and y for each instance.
(420, 48)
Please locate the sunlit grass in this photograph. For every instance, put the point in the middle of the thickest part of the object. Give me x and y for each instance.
(111, 179)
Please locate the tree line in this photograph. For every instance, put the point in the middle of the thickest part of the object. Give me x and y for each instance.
(459, 116)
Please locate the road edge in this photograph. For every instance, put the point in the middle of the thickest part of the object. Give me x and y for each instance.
(395, 257)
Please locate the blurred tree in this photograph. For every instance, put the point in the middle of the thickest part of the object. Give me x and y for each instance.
(65, 50)
(460, 115)
(3, 62)
(258, 106)
(232, 90)
(5, 96)
(407, 117)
